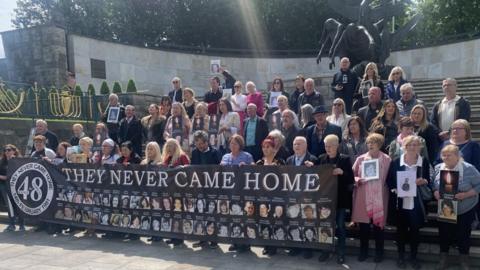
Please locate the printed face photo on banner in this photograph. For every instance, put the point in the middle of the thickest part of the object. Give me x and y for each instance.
(203, 211)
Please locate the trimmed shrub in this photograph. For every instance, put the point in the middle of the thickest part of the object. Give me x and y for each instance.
(131, 88)
(117, 88)
(104, 90)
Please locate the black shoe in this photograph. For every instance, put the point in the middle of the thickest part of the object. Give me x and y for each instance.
(415, 264)
(272, 251)
(243, 248)
(401, 263)
(294, 252)
(233, 247)
(362, 257)
(378, 258)
(199, 244)
(265, 251)
(340, 259)
(155, 239)
(213, 245)
(308, 254)
(323, 256)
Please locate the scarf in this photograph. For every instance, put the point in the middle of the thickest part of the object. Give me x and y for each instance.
(374, 199)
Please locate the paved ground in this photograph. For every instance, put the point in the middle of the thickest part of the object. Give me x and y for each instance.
(37, 250)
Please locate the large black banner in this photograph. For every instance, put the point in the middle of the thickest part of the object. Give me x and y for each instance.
(257, 205)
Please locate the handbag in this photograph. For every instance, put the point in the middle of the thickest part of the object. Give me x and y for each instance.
(425, 192)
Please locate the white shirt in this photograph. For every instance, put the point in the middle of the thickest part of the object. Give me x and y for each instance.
(341, 121)
(408, 202)
(241, 103)
(446, 111)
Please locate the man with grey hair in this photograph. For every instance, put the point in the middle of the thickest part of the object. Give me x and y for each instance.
(407, 100)
(310, 95)
(112, 116)
(290, 128)
(255, 130)
(449, 109)
(344, 84)
(41, 128)
(176, 94)
(131, 130)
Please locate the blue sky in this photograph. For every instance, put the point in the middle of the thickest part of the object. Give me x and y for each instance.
(6, 14)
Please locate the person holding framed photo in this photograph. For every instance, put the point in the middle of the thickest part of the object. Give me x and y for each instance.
(370, 195)
(408, 212)
(466, 198)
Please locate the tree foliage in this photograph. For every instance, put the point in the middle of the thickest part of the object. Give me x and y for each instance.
(131, 88)
(233, 24)
(117, 88)
(91, 89)
(104, 89)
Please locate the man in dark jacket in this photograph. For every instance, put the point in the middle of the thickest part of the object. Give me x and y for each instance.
(213, 96)
(310, 95)
(344, 84)
(203, 154)
(255, 130)
(112, 116)
(316, 133)
(131, 130)
(369, 112)
(449, 109)
(51, 139)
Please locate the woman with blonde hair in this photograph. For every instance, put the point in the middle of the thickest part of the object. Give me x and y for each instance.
(395, 80)
(173, 155)
(370, 79)
(426, 130)
(189, 101)
(153, 156)
(239, 103)
(179, 116)
(229, 123)
(339, 117)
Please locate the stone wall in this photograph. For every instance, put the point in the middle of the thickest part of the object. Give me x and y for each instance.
(36, 54)
(153, 70)
(460, 59)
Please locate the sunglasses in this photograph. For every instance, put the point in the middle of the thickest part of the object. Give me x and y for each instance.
(7, 149)
(337, 104)
(237, 86)
(175, 82)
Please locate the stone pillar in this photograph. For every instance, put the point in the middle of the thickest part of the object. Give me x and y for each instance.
(36, 54)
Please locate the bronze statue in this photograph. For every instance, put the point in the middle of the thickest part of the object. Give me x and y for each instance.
(367, 38)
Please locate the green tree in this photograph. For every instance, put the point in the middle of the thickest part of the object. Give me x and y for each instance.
(117, 88)
(91, 89)
(131, 88)
(104, 90)
(78, 91)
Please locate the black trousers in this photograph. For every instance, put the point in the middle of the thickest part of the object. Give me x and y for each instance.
(407, 232)
(461, 231)
(9, 203)
(255, 151)
(365, 235)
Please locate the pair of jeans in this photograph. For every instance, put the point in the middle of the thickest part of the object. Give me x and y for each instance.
(462, 231)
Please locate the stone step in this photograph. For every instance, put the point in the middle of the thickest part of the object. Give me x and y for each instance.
(473, 90)
(438, 82)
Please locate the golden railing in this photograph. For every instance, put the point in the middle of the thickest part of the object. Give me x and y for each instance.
(9, 103)
(65, 105)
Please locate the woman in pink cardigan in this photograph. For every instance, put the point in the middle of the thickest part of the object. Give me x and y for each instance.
(255, 97)
(370, 196)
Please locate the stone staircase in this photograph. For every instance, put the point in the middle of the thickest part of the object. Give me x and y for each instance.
(430, 91)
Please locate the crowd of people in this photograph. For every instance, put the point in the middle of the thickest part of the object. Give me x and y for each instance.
(367, 121)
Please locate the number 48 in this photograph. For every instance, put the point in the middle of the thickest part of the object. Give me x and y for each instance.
(35, 192)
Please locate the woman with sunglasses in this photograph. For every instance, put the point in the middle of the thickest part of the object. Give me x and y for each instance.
(339, 117)
(9, 151)
(395, 81)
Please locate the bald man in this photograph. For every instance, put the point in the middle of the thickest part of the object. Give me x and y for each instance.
(344, 83)
(369, 112)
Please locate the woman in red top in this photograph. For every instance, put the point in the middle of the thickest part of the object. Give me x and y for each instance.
(173, 155)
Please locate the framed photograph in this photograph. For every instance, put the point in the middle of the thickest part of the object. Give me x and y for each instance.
(78, 158)
(370, 170)
(215, 66)
(113, 113)
(364, 87)
(272, 103)
(406, 184)
(447, 210)
(448, 183)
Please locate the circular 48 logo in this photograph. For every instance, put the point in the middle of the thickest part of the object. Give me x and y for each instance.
(32, 188)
